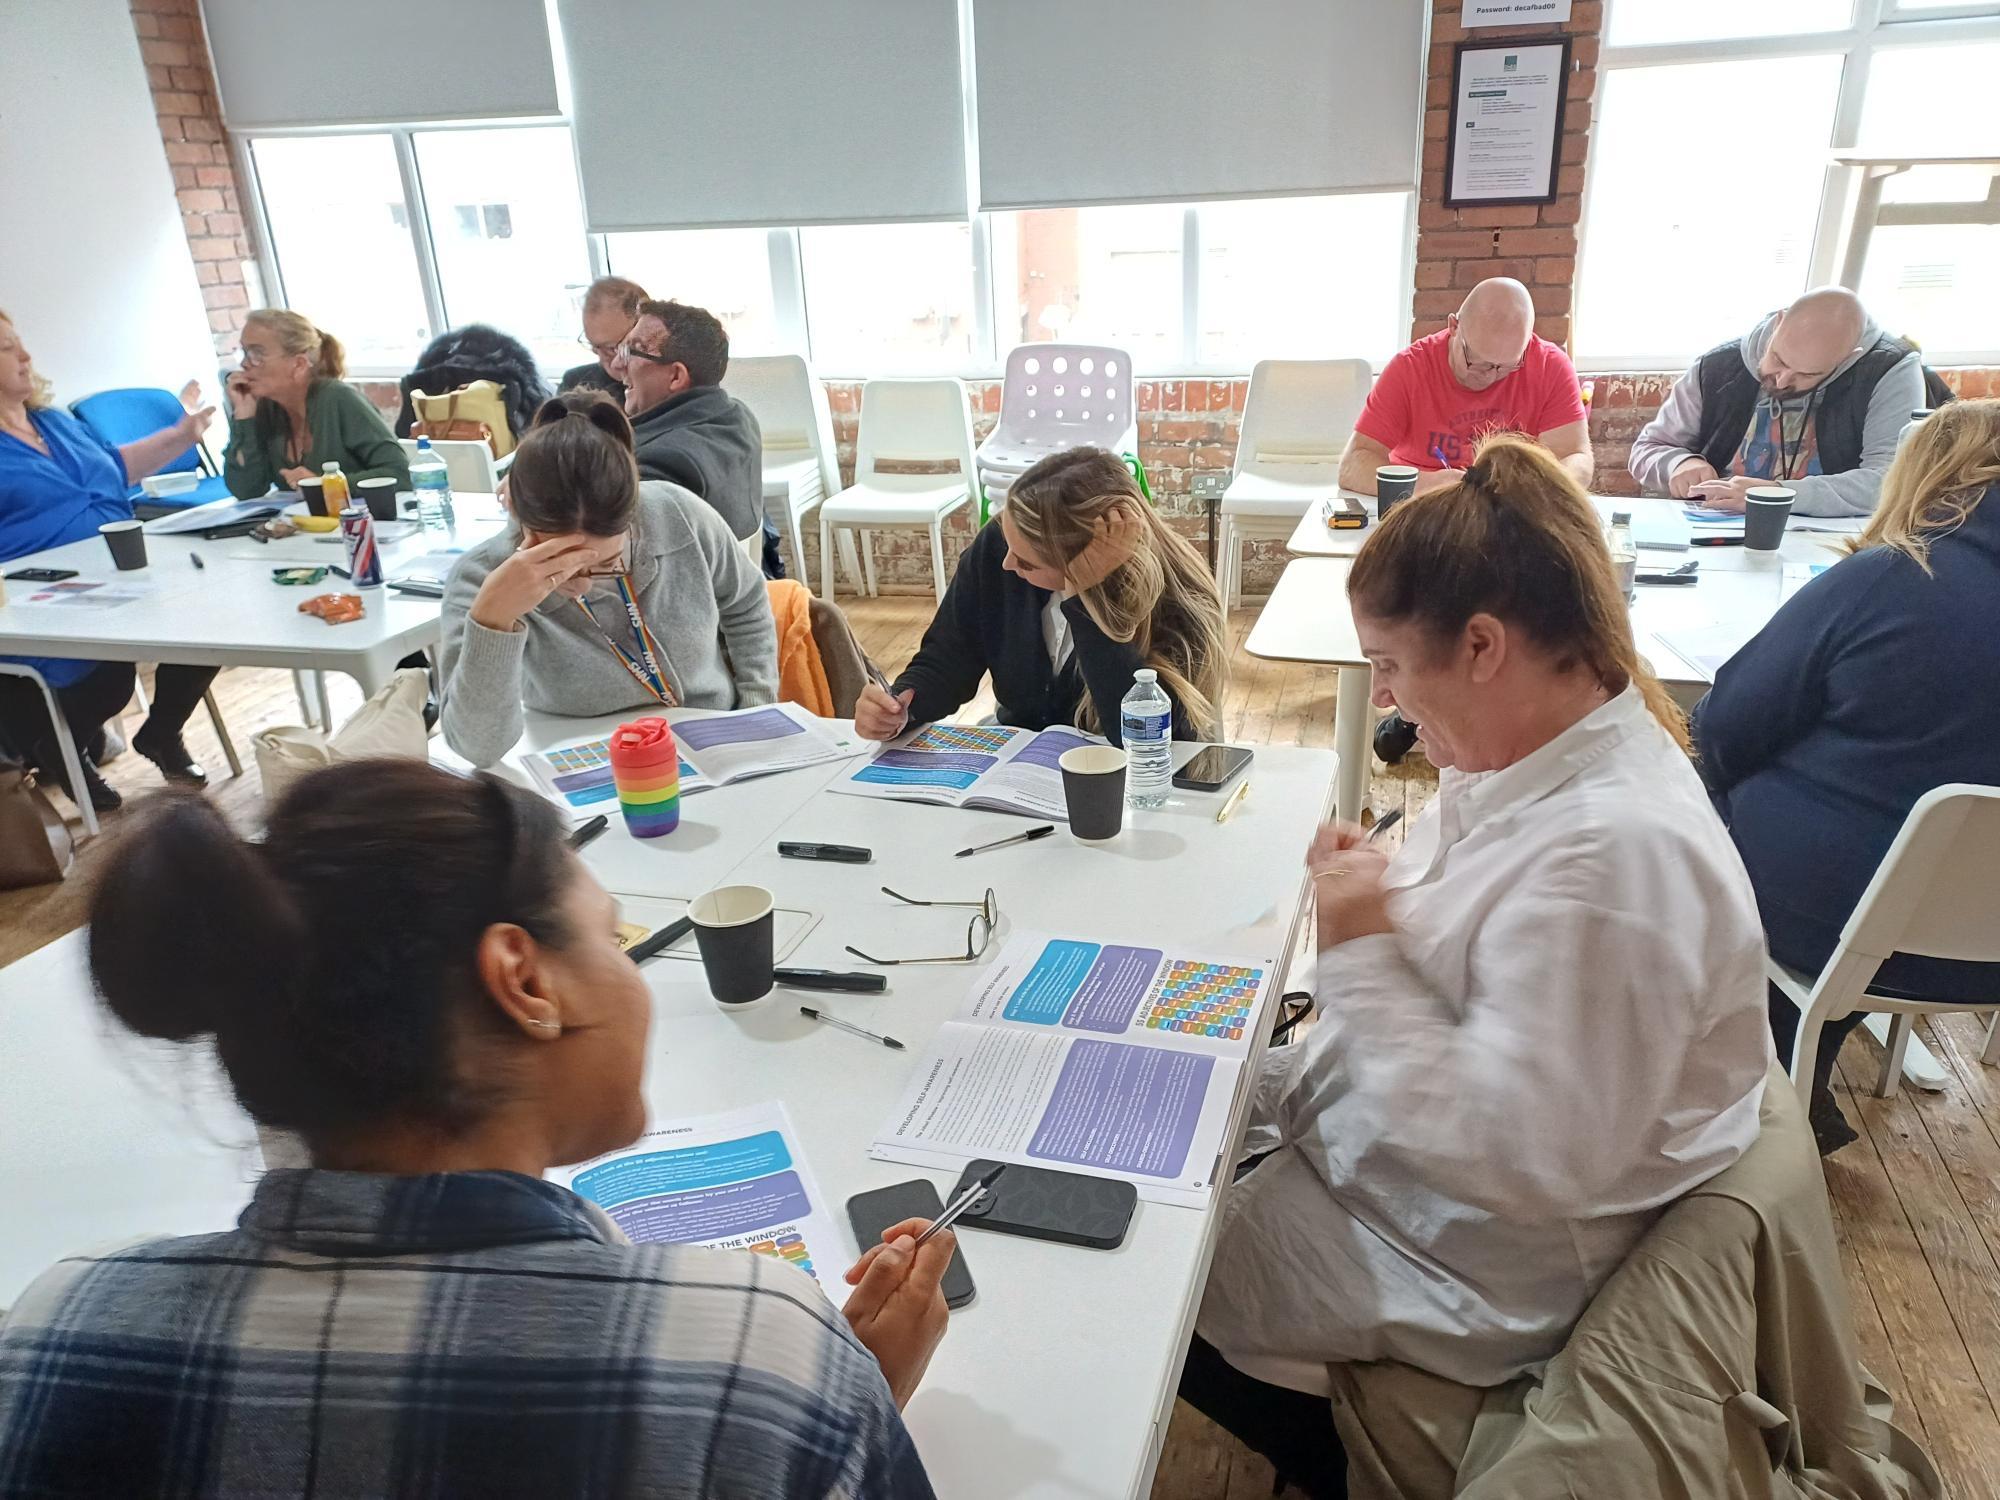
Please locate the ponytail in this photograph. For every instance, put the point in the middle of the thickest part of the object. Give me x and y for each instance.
(332, 363)
(1518, 539)
(574, 469)
(295, 334)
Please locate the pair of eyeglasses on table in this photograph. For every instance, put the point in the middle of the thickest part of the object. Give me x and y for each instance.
(978, 932)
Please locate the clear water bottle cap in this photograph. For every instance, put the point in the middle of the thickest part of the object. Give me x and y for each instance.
(1621, 518)
(329, 467)
(1145, 674)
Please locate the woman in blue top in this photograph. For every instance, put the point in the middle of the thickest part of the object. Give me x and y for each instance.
(1871, 686)
(58, 483)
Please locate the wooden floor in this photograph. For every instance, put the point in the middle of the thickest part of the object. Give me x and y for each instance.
(1916, 1201)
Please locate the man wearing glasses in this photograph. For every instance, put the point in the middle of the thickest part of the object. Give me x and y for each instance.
(1485, 371)
(610, 308)
(687, 428)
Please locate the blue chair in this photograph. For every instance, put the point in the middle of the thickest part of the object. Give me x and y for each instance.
(126, 415)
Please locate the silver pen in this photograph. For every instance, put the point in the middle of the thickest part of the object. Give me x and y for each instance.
(961, 1203)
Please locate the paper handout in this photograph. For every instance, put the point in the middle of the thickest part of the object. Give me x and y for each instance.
(972, 765)
(715, 749)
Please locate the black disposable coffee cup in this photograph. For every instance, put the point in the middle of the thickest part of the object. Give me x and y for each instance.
(1766, 509)
(313, 492)
(733, 928)
(127, 541)
(1393, 482)
(1094, 790)
(379, 495)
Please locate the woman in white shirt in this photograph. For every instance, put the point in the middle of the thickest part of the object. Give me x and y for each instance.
(1540, 1023)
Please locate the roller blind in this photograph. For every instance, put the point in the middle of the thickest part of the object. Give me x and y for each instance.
(346, 62)
(759, 112)
(1136, 101)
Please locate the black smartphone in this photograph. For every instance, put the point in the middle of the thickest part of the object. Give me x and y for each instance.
(42, 575)
(1211, 769)
(872, 1212)
(1043, 1204)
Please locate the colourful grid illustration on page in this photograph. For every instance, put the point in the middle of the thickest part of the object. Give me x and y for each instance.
(788, 1247)
(983, 739)
(1198, 999)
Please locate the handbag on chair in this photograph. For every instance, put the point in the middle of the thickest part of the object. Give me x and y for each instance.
(474, 413)
(35, 846)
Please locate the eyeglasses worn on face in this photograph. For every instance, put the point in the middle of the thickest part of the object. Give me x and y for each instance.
(978, 933)
(1486, 366)
(602, 351)
(633, 351)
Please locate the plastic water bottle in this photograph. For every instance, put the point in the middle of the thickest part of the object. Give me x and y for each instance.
(1146, 720)
(432, 482)
(1917, 419)
(1624, 555)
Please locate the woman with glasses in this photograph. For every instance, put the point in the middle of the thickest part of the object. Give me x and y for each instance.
(606, 594)
(420, 1311)
(58, 483)
(290, 413)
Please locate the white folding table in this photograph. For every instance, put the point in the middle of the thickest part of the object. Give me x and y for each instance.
(1059, 1379)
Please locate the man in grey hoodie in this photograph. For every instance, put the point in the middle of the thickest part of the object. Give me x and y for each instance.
(1813, 397)
(685, 426)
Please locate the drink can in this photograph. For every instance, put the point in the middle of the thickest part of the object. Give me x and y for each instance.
(364, 559)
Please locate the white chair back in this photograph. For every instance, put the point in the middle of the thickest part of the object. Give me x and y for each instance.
(913, 422)
(1300, 412)
(1058, 396)
(791, 409)
(1937, 890)
(468, 465)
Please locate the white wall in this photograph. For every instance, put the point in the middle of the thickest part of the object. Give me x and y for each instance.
(94, 269)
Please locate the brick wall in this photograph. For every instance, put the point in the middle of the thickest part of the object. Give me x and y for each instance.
(1535, 243)
(183, 84)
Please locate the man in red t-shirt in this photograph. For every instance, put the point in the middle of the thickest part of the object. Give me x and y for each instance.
(1486, 371)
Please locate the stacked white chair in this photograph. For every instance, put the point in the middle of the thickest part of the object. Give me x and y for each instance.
(801, 463)
(911, 425)
(1296, 422)
(1057, 396)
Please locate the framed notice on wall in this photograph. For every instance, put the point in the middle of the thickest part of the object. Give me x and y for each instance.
(1506, 122)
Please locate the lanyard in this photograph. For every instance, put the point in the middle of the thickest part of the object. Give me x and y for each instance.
(1790, 452)
(644, 662)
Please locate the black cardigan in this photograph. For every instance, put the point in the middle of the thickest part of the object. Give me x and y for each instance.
(991, 621)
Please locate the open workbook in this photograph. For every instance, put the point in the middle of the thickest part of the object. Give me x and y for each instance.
(972, 765)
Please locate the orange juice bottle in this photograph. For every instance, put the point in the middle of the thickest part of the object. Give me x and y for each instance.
(334, 487)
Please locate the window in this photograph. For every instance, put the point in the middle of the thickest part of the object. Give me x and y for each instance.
(511, 250)
(1733, 145)
(727, 271)
(340, 234)
(889, 297)
(1733, 236)
(1304, 278)
(1091, 276)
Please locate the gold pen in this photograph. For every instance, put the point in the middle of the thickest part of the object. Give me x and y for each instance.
(1228, 809)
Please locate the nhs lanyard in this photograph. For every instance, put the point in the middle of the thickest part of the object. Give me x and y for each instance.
(644, 662)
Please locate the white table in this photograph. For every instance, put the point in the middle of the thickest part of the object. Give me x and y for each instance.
(1311, 538)
(228, 612)
(1058, 1380)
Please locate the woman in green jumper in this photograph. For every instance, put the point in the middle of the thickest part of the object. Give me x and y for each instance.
(290, 413)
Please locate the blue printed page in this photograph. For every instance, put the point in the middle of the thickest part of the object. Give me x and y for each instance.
(732, 1181)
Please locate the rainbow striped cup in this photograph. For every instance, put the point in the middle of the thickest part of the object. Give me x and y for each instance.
(646, 770)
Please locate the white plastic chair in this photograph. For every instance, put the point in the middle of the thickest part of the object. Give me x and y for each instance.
(1296, 422)
(72, 758)
(903, 422)
(1057, 396)
(801, 462)
(470, 466)
(1936, 893)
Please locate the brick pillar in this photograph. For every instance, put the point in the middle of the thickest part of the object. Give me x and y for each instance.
(1535, 243)
(183, 83)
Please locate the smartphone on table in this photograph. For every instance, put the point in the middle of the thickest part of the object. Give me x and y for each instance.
(41, 575)
(1041, 1203)
(872, 1212)
(1210, 769)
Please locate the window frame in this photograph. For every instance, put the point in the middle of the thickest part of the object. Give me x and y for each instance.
(1873, 26)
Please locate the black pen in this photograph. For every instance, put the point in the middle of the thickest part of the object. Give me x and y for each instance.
(1716, 541)
(338, 571)
(836, 1022)
(195, 558)
(846, 981)
(659, 942)
(1020, 838)
(843, 854)
(585, 832)
(1384, 823)
(961, 1203)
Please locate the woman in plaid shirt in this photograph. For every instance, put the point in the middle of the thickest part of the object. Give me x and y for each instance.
(415, 975)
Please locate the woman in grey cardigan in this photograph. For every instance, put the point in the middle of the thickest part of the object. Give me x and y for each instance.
(606, 594)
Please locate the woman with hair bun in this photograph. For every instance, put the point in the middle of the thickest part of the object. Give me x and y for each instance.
(1543, 1019)
(606, 594)
(291, 413)
(420, 1312)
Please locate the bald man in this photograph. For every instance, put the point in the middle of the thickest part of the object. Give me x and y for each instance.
(1813, 397)
(1486, 371)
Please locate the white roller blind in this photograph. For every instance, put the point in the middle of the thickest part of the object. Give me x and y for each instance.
(1137, 101)
(741, 112)
(345, 62)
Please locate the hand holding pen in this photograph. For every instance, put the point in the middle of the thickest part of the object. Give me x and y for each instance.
(897, 1307)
